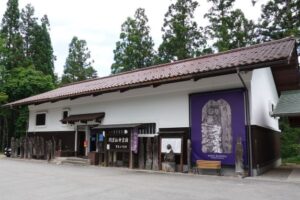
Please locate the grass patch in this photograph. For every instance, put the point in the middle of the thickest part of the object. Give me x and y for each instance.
(294, 159)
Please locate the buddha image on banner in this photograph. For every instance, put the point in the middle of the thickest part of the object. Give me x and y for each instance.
(217, 120)
(216, 127)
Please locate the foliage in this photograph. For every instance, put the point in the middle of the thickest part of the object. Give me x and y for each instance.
(78, 65)
(14, 56)
(41, 48)
(279, 19)
(37, 42)
(181, 38)
(25, 82)
(135, 48)
(293, 159)
(228, 28)
(290, 140)
(3, 96)
(28, 21)
(22, 121)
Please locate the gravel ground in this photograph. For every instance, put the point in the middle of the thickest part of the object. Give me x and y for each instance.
(41, 181)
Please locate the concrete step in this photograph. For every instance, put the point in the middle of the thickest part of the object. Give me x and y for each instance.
(70, 160)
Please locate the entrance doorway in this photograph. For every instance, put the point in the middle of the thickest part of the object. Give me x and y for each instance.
(81, 148)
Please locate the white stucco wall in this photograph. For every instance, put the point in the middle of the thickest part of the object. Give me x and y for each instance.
(167, 105)
(263, 94)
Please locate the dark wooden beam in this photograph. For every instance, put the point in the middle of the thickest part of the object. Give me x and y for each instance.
(56, 100)
(196, 78)
(73, 98)
(155, 85)
(97, 94)
(124, 90)
(38, 103)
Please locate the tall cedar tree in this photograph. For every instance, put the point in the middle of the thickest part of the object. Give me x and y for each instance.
(3, 72)
(11, 33)
(41, 48)
(78, 65)
(280, 18)
(135, 48)
(228, 28)
(28, 21)
(181, 38)
(37, 42)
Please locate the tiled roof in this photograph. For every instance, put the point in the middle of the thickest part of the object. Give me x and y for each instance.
(83, 117)
(288, 104)
(251, 57)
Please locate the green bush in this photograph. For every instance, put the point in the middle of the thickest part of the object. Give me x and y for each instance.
(290, 140)
(295, 159)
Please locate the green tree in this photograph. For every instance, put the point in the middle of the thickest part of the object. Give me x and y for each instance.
(280, 18)
(24, 82)
(78, 65)
(181, 36)
(10, 29)
(135, 48)
(228, 28)
(28, 22)
(41, 48)
(37, 42)
(21, 83)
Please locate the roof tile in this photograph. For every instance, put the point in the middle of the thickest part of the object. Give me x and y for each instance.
(256, 54)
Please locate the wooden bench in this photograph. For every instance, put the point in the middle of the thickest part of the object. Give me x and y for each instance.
(208, 164)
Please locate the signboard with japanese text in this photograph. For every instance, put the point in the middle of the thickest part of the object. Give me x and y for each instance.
(118, 142)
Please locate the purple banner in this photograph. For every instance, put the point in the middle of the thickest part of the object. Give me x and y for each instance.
(217, 121)
(134, 141)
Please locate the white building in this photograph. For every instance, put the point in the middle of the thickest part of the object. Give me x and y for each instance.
(179, 100)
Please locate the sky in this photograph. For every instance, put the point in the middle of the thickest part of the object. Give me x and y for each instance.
(99, 23)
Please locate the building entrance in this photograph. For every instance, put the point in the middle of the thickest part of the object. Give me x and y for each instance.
(81, 145)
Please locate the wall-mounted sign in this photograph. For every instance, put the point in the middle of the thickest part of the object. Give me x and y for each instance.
(100, 138)
(118, 142)
(218, 119)
(174, 142)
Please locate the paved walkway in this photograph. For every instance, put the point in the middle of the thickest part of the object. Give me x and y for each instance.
(30, 180)
(283, 174)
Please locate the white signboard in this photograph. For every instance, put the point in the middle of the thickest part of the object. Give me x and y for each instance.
(174, 142)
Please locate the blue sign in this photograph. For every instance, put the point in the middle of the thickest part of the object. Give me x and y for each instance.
(101, 138)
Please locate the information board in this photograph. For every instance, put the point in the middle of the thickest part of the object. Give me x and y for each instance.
(174, 142)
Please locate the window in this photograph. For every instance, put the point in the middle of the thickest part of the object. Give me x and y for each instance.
(271, 108)
(40, 119)
(65, 115)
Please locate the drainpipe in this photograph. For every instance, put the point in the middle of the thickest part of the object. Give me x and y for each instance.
(248, 121)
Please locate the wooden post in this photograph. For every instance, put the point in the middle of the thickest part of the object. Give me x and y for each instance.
(181, 156)
(141, 154)
(105, 152)
(76, 140)
(149, 155)
(159, 147)
(155, 154)
(130, 152)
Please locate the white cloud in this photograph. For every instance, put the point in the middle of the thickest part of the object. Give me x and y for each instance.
(99, 23)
